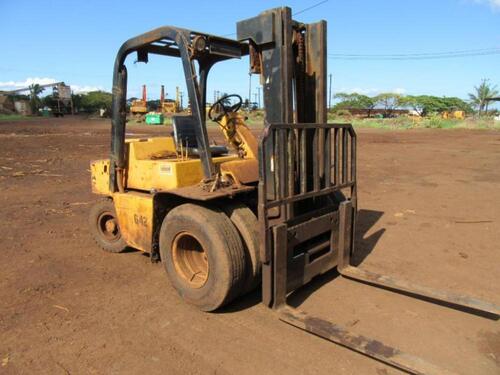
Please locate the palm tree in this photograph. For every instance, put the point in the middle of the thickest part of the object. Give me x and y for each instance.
(35, 90)
(226, 102)
(482, 92)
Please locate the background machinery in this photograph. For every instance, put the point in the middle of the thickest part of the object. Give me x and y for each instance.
(61, 100)
(277, 211)
(169, 107)
(139, 107)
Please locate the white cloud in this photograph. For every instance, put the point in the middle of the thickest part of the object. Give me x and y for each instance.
(371, 91)
(28, 81)
(399, 90)
(77, 89)
(359, 90)
(494, 4)
(83, 89)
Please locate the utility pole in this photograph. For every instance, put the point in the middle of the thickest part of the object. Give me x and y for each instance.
(249, 90)
(330, 92)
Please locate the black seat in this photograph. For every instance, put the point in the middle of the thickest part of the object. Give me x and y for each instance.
(185, 137)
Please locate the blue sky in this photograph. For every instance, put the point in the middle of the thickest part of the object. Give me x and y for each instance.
(76, 42)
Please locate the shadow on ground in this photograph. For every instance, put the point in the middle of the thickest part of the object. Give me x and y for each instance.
(364, 245)
(365, 220)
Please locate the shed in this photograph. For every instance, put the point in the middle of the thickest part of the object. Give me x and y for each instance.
(6, 104)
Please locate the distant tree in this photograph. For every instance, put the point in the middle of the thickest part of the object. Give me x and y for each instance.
(35, 91)
(427, 104)
(354, 101)
(226, 101)
(481, 93)
(414, 102)
(154, 105)
(47, 100)
(388, 101)
(95, 100)
(77, 101)
(423, 104)
(456, 104)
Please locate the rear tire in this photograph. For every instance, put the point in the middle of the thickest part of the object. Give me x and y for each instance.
(203, 255)
(104, 227)
(246, 223)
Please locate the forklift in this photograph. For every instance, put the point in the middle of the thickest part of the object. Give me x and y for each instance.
(275, 211)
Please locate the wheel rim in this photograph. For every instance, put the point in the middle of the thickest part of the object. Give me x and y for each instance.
(108, 226)
(190, 260)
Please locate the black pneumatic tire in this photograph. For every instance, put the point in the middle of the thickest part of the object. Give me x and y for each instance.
(211, 233)
(246, 223)
(108, 240)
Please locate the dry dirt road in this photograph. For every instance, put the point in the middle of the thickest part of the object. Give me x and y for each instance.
(430, 214)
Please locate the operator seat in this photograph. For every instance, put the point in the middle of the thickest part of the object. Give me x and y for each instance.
(185, 136)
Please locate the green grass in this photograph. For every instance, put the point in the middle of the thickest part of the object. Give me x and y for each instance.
(14, 117)
(256, 120)
(403, 123)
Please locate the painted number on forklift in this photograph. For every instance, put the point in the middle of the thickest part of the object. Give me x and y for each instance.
(141, 220)
(166, 169)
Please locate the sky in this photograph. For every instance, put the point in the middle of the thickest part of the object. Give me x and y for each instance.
(76, 42)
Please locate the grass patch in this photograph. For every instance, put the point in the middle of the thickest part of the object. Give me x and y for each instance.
(14, 117)
(404, 123)
(255, 120)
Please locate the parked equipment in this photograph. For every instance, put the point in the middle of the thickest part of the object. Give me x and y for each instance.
(154, 119)
(139, 107)
(60, 104)
(168, 107)
(275, 212)
(453, 115)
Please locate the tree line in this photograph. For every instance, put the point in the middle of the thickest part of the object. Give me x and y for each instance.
(423, 105)
(89, 102)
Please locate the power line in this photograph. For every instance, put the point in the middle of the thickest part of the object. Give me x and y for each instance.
(311, 7)
(418, 56)
(421, 53)
(294, 14)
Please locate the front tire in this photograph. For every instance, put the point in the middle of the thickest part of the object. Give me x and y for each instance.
(203, 255)
(246, 223)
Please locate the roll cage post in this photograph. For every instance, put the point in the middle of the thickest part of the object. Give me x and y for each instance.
(189, 46)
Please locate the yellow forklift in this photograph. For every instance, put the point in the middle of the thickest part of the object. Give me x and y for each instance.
(275, 211)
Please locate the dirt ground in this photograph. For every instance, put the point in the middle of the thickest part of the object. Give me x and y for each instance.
(429, 213)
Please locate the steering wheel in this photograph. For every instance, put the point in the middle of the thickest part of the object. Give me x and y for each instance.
(215, 113)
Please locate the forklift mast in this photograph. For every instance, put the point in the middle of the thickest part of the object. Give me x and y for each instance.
(291, 58)
(295, 181)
